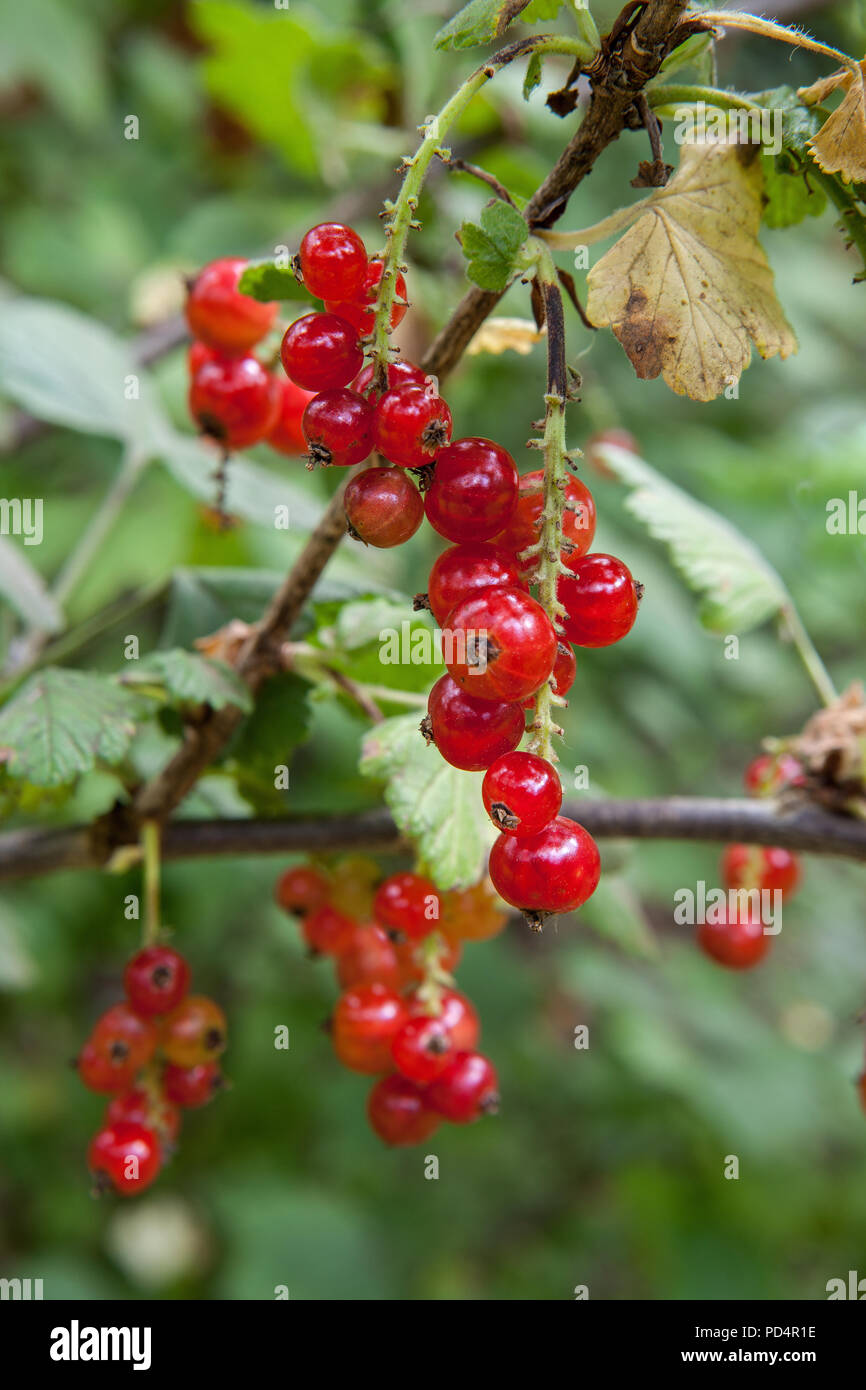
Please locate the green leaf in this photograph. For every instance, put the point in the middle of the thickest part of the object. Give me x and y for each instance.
(538, 11)
(741, 588)
(690, 53)
(614, 912)
(267, 281)
(378, 640)
(434, 804)
(279, 723)
(190, 679)
(491, 248)
(791, 197)
(25, 589)
(67, 368)
(481, 21)
(63, 723)
(534, 69)
(55, 46)
(799, 122)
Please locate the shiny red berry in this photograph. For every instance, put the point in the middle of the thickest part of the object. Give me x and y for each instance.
(195, 1032)
(738, 943)
(199, 353)
(333, 262)
(398, 1112)
(600, 600)
(156, 979)
(422, 1049)
(769, 773)
(191, 1087)
(125, 1038)
(555, 870)
(99, 1072)
(408, 903)
(139, 1107)
(523, 528)
(368, 955)
(365, 1021)
(302, 889)
(234, 400)
(124, 1156)
(327, 931)
(383, 507)
(466, 1089)
(412, 425)
(360, 312)
(338, 427)
(321, 352)
(219, 315)
(287, 435)
(767, 868)
(502, 644)
(399, 373)
(521, 793)
(469, 733)
(467, 569)
(563, 673)
(474, 490)
(454, 1011)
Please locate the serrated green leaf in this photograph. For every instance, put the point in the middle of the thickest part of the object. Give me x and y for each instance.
(278, 725)
(615, 913)
(491, 248)
(799, 122)
(791, 197)
(190, 679)
(741, 588)
(434, 804)
(481, 21)
(266, 281)
(534, 69)
(25, 589)
(63, 723)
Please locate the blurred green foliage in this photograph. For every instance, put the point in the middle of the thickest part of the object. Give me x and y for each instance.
(606, 1166)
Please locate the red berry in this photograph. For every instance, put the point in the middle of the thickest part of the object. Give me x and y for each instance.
(333, 262)
(383, 508)
(99, 1073)
(412, 961)
(765, 868)
(365, 1021)
(139, 1107)
(466, 1089)
(502, 644)
(321, 352)
(408, 903)
(472, 914)
(767, 774)
(192, 1086)
(156, 979)
(578, 518)
(412, 425)
(422, 1049)
(563, 673)
(738, 944)
(195, 1032)
(469, 733)
(220, 316)
(327, 931)
(358, 312)
(399, 373)
(398, 1112)
(601, 600)
(554, 870)
(287, 435)
(467, 569)
(199, 353)
(338, 426)
(456, 1014)
(521, 793)
(301, 889)
(124, 1038)
(367, 956)
(124, 1156)
(234, 400)
(473, 492)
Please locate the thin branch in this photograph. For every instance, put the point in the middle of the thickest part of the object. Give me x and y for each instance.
(462, 166)
(799, 826)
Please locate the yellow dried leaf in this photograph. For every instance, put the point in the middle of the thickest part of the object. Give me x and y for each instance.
(824, 87)
(688, 289)
(840, 145)
(498, 335)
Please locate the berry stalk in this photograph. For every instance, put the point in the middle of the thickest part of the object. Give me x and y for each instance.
(150, 848)
(400, 214)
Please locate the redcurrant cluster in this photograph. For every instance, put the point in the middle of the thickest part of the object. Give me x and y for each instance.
(739, 941)
(154, 1054)
(394, 945)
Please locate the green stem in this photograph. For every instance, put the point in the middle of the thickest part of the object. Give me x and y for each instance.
(852, 220)
(808, 654)
(732, 19)
(683, 94)
(150, 848)
(401, 214)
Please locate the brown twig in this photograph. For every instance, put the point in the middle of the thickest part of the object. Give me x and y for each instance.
(804, 827)
(462, 166)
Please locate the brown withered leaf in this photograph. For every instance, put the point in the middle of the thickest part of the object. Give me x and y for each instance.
(687, 290)
(840, 145)
(832, 749)
(500, 335)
